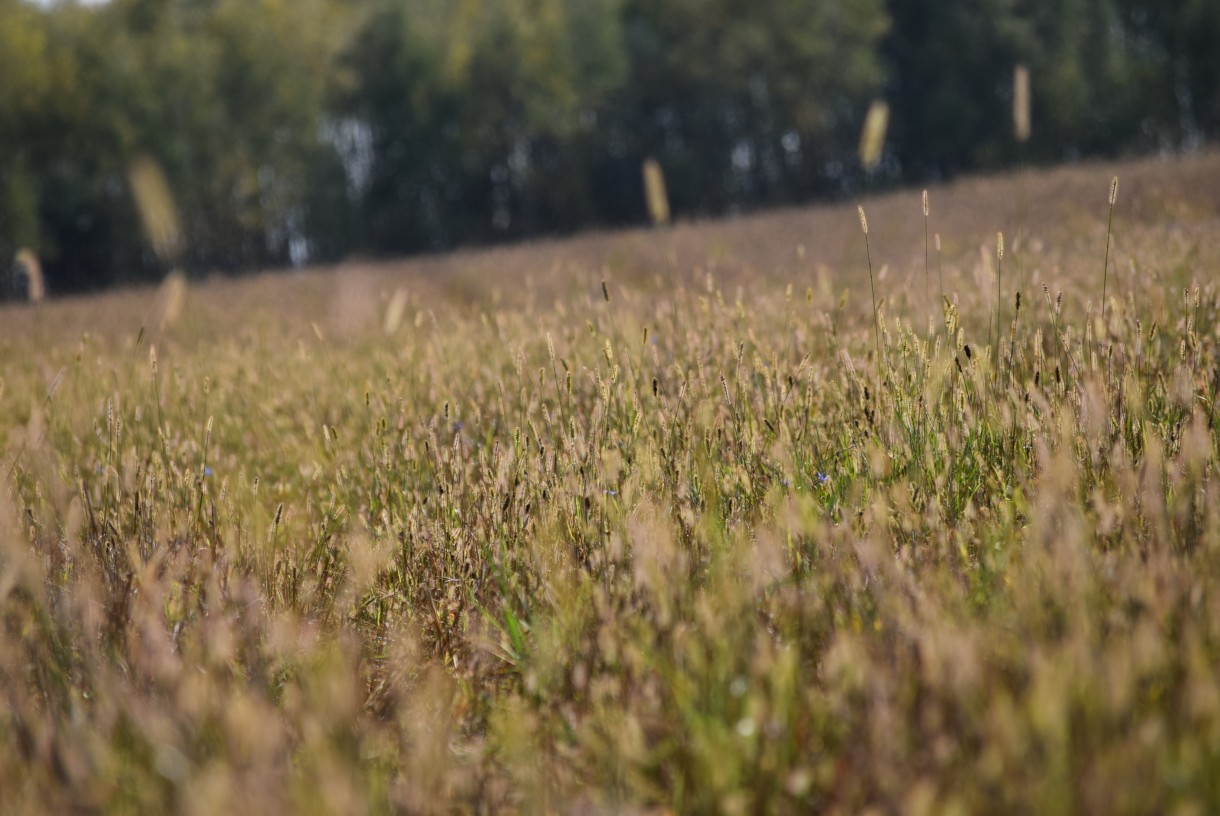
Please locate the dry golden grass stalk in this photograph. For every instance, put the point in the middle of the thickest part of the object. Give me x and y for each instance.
(1021, 103)
(29, 267)
(872, 286)
(872, 138)
(927, 210)
(395, 311)
(173, 298)
(155, 203)
(1109, 228)
(655, 192)
(999, 282)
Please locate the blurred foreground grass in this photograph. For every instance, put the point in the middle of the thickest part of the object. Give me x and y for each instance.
(476, 534)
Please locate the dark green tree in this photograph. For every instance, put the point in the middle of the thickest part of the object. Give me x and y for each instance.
(950, 79)
(312, 129)
(1181, 41)
(227, 96)
(476, 113)
(26, 85)
(747, 103)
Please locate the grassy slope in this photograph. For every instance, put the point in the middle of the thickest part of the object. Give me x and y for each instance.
(692, 547)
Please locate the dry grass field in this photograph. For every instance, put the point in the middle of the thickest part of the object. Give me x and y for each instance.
(644, 522)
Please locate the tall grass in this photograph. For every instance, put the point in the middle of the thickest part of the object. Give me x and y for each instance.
(927, 291)
(655, 553)
(872, 287)
(999, 300)
(1109, 229)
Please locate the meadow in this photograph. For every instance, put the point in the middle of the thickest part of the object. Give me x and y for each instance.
(643, 522)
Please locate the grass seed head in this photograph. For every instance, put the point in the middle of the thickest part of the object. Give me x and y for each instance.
(1021, 103)
(872, 138)
(173, 298)
(156, 207)
(655, 192)
(29, 267)
(395, 311)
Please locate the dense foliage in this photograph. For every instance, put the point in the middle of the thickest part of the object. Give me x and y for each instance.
(316, 129)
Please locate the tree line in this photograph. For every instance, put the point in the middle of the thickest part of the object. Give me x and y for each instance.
(306, 131)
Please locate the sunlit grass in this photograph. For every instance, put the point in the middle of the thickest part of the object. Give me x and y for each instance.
(634, 546)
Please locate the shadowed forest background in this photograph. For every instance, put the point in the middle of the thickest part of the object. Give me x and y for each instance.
(307, 131)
